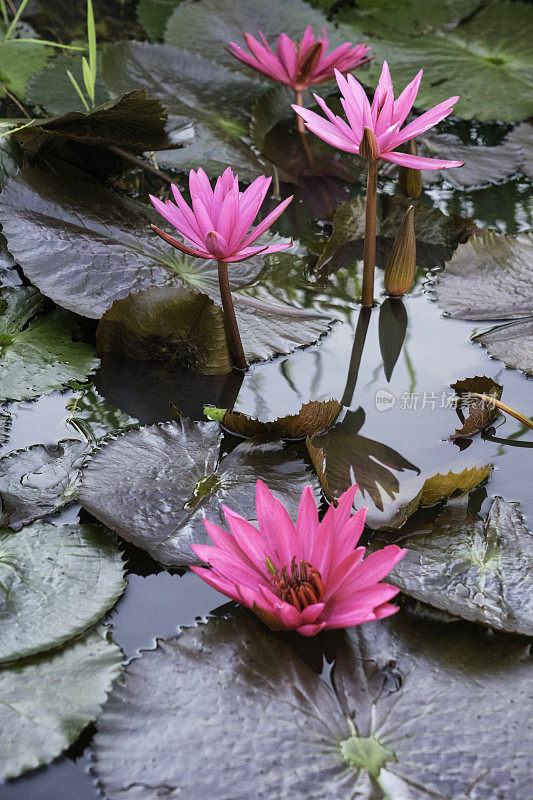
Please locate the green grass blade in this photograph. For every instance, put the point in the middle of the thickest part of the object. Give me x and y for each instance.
(91, 36)
(88, 79)
(79, 91)
(15, 19)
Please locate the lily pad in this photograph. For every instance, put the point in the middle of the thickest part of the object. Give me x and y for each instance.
(39, 481)
(168, 324)
(476, 569)
(47, 700)
(51, 88)
(204, 100)
(342, 457)
(480, 413)
(489, 277)
(153, 16)
(154, 486)
(61, 581)
(38, 354)
(511, 343)
(313, 417)
(485, 60)
(398, 685)
(133, 122)
(18, 62)
(437, 235)
(416, 18)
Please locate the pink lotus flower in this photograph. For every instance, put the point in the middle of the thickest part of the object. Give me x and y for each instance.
(300, 65)
(383, 118)
(305, 577)
(218, 226)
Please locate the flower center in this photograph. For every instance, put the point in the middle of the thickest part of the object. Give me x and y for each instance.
(298, 584)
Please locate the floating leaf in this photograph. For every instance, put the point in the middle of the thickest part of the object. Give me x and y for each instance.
(153, 16)
(416, 18)
(168, 324)
(63, 579)
(313, 417)
(475, 569)
(397, 685)
(436, 234)
(51, 88)
(485, 60)
(511, 343)
(18, 62)
(205, 103)
(154, 486)
(38, 355)
(342, 457)
(489, 277)
(46, 701)
(480, 413)
(39, 481)
(133, 122)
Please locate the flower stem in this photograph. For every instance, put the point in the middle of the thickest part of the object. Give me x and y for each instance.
(140, 162)
(232, 329)
(492, 401)
(302, 129)
(369, 257)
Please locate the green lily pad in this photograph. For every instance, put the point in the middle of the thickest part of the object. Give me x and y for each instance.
(476, 569)
(38, 354)
(39, 480)
(489, 277)
(204, 100)
(18, 62)
(485, 60)
(480, 414)
(511, 343)
(437, 235)
(51, 88)
(61, 581)
(313, 417)
(153, 16)
(46, 701)
(417, 18)
(133, 122)
(387, 726)
(154, 486)
(342, 456)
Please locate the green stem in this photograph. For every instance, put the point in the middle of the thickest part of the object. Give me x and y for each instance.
(230, 320)
(15, 19)
(369, 256)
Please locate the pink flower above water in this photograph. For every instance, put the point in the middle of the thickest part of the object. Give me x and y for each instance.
(302, 64)
(218, 224)
(384, 119)
(305, 577)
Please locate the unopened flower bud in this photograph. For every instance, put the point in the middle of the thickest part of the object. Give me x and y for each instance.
(410, 180)
(308, 64)
(369, 147)
(400, 269)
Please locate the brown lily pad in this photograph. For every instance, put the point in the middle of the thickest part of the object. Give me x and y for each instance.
(313, 417)
(480, 413)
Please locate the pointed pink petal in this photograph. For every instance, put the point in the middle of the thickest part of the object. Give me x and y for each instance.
(419, 162)
(307, 523)
(405, 101)
(347, 537)
(385, 610)
(218, 583)
(201, 214)
(343, 571)
(216, 244)
(287, 55)
(323, 544)
(427, 120)
(179, 245)
(310, 630)
(227, 566)
(266, 223)
(249, 539)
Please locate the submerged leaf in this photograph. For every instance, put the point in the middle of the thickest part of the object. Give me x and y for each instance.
(133, 122)
(480, 413)
(475, 569)
(436, 234)
(154, 486)
(153, 16)
(397, 685)
(313, 417)
(39, 481)
(38, 354)
(46, 701)
(342, 457)
(51, 89)
(62, 580)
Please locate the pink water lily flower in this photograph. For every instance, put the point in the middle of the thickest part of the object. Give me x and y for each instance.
(218, 225)
(303, 577)
(302, 64)
(384, 118)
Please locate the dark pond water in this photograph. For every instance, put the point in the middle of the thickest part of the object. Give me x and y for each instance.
(347, 364)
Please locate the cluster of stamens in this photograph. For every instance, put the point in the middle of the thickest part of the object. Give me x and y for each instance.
(298, 584)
